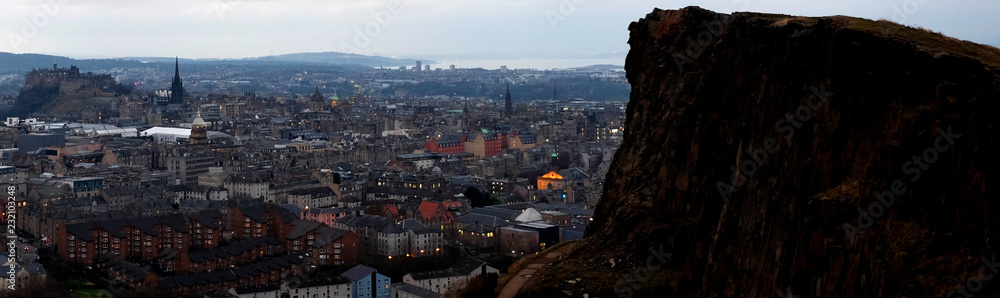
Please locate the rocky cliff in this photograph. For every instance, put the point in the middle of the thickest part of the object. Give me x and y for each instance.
(815, 157)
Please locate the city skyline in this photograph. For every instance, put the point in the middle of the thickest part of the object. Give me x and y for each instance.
(527, 33)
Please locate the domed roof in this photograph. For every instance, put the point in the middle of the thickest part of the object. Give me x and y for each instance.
(198, 120)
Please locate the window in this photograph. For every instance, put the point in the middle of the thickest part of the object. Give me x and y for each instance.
(168, 229)
(105, 234)
(336, 251)
(71, 237)
(117, 240)
(149, 238)
(336, 245)
(83, 249)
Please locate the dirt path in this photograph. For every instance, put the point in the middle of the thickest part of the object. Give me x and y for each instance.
(515, 283)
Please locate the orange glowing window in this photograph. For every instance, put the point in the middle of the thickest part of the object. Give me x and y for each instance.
(552, 175)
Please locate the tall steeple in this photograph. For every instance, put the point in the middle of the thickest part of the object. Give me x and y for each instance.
(508, 107)
(555, 93)
(177, 88)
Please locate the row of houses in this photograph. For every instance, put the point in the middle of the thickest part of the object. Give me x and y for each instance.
(259, 240)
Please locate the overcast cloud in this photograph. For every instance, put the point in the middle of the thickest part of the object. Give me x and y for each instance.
(472, 29)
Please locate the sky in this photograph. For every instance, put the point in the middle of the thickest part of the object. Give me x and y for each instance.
(455, 30)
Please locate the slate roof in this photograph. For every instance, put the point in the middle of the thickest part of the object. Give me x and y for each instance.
(417, 291)
(464, 267)
(417, 227)
(255, 269)
(116, 227)
(234, 249)
(257, 213)
(301, 227)
(358, 272)
(128, 269)
(257, 288)
(208, 218)
(500, 213)
(326, 235)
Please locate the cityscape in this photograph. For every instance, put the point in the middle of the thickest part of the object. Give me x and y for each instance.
(199, 186)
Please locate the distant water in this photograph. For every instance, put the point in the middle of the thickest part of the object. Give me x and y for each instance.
(540, 64)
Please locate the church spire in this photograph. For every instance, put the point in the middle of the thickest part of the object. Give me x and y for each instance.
(177, 88)
(555, 92)
(508, 107)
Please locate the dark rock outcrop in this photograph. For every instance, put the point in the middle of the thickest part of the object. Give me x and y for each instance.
(820, 114)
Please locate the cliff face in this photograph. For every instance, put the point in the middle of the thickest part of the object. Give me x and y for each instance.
(770, 154)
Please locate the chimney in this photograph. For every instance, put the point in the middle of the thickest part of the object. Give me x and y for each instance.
(374, 285)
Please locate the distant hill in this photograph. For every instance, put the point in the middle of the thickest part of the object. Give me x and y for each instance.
(329, 58)
(22, 63)
(339, 58)
(601, 67)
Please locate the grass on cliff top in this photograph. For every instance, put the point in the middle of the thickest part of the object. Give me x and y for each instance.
(929, 40)
(926, 40)
(523, 262)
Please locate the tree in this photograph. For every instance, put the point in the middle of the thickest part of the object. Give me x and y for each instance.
(476, 198)
(479, 286)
